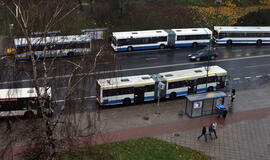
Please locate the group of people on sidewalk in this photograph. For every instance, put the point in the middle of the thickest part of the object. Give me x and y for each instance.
(211, 129)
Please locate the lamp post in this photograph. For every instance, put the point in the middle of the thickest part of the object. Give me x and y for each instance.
(219, 2)
(10, 30)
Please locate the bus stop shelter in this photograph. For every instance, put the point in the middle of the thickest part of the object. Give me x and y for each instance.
(199, 105)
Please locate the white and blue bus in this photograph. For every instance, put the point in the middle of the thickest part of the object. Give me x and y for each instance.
(22, 102)
(56, 46)
(194, 37)
(242, 35)
(154, 39)
(139, 40)
(134, 89)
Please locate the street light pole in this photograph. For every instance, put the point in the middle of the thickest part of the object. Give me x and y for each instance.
(217, 7)
(10, 29)
(207, 68)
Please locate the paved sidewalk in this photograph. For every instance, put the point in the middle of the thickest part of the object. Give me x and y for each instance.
(244, 140)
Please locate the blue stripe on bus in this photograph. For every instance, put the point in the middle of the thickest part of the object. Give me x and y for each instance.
(178, 94)
(190, 44)
(112, 102)
(42, 44)
(149, 98)
(139, 48)
(242, 41)
(51, 56)
(243, 31)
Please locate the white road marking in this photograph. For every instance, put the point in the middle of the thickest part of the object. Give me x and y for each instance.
(143, 68)
(247, 77)
(148, 59)
(259, 76)
(235, 79)
(268, 74)
(90, 97)
(260, 65)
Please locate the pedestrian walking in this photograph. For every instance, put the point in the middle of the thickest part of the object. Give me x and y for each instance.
(8, 125)
(210, 129)
(232, 95)
(224, 114)
(203, 134)
(214, 127)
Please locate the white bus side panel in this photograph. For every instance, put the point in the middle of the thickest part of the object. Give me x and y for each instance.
(139, 47)
(113, 100)
(189, 43)
(179, 91)
(202, 87)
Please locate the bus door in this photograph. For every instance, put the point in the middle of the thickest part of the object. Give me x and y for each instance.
(192, 86)
(139, 94)
(171, 38)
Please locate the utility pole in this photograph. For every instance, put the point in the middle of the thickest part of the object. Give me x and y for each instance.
(218, 3)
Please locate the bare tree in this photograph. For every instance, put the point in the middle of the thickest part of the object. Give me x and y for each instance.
(71, 80)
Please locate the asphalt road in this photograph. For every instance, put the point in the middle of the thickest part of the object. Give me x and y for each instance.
(244, 63)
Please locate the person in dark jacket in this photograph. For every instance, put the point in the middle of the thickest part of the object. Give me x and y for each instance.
(203, 134)
(233, 95)
(210, 129)
(224, 114)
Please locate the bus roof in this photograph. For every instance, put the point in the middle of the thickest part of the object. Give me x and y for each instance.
(138, 34)
(192, 31)
(53, 40)
(21, 93)
(193, 73)
(130, 81)
(242, 28)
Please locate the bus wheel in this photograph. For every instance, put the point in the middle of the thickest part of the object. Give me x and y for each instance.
(210, 89)
(70, 54)
(259, 42)
(29, 115)
(173, 95)
(162, 46)
(129, 49)
(126, 101)
(213, 57)
(198, 59)
(195, 45)
(229, 42)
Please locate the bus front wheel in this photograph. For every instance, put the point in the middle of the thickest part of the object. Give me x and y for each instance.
(162, 46)
(173, 95)
(195, 45)
(210, 89)
(129, 49)
(259, 42)
(70, 54)
(126, 101)
(229, 42)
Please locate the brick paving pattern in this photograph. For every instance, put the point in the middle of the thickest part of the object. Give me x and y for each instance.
(245, 140)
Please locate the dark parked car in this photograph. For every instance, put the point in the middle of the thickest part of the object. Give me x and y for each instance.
(203, 54)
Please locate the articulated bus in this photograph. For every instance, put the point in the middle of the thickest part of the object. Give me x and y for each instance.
(56, 46)
(239, 34)
(133, 89)
(21, 102)
(153, 39)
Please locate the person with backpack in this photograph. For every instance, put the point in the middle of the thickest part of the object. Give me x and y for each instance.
(203, 134)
